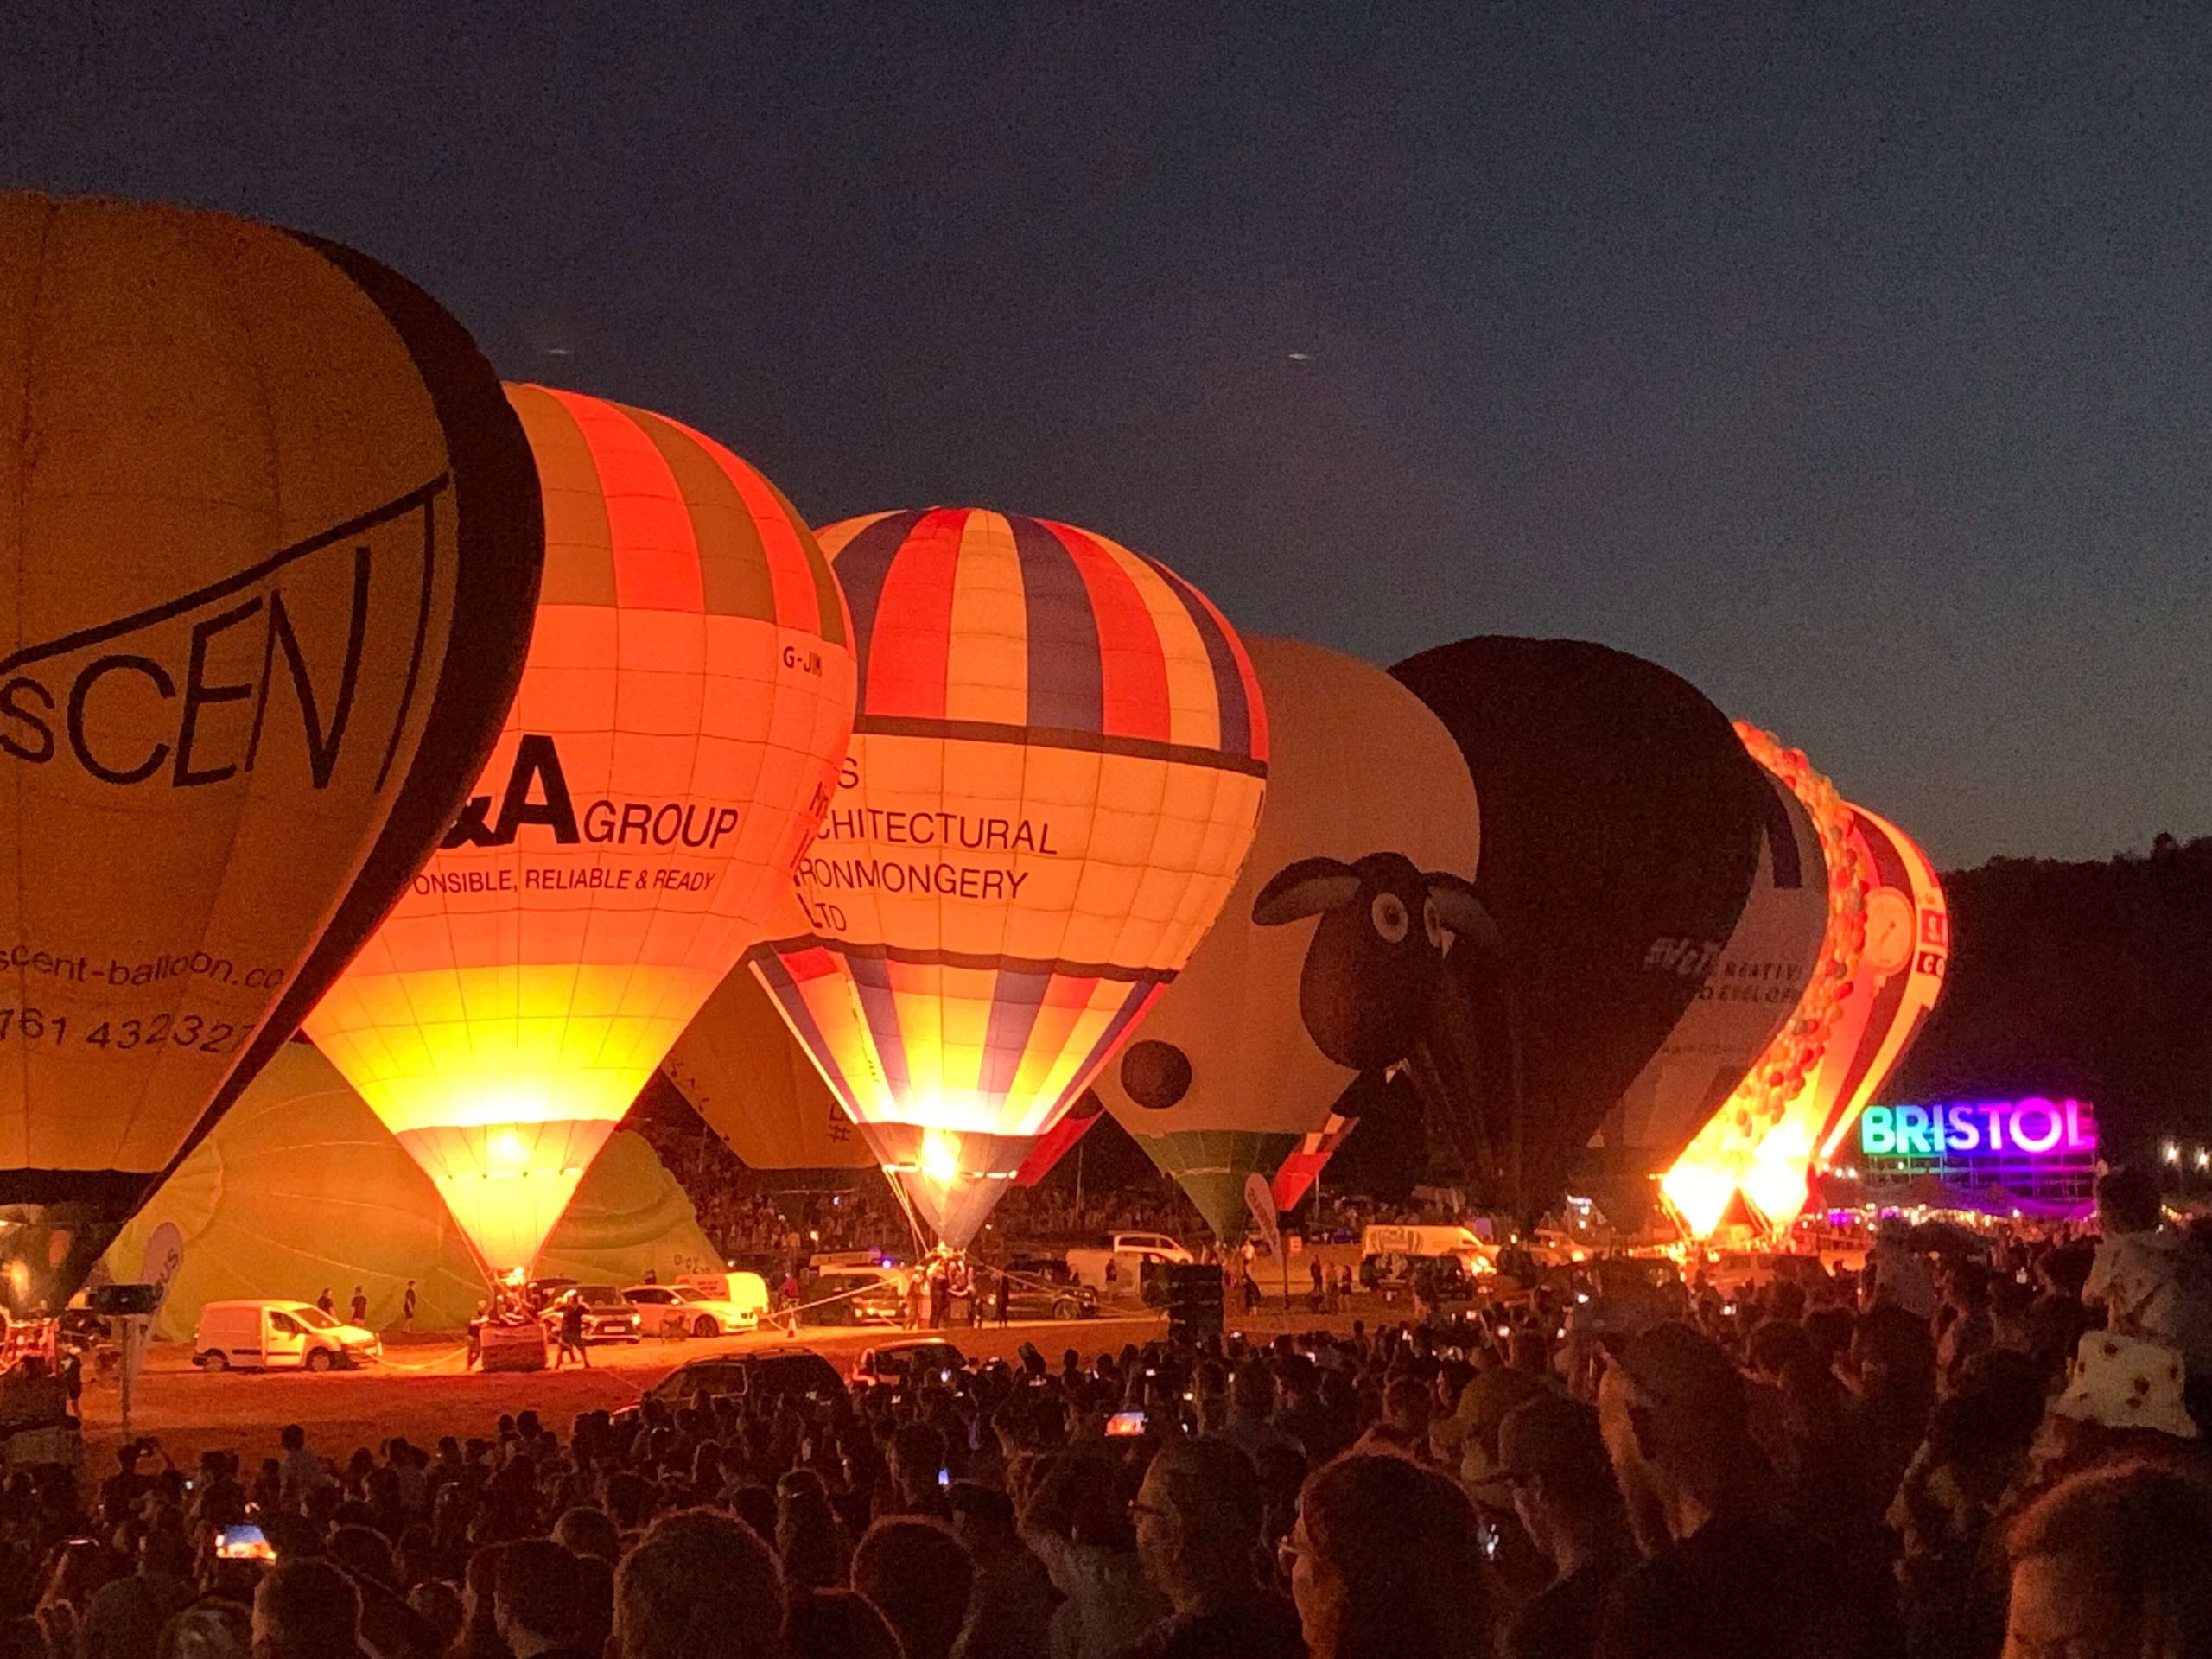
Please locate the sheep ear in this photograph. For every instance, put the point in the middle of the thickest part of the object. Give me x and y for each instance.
(1306, 887)
(1461, 912)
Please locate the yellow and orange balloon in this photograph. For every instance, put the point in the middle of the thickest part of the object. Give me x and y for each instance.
(1056, 771)
(687, 693)
(1707, 1175)
(1893, 990)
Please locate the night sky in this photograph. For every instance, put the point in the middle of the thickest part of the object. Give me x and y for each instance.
(1852, 364)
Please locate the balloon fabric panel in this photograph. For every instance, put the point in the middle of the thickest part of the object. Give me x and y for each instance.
(273, 536)
(1057, 763)
(675, 737)
(739, 1066)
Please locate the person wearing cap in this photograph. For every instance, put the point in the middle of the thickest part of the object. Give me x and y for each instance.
(1725, 1575)
(1552, 1456)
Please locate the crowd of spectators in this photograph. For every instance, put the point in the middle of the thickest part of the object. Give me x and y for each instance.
(1935, 1457)
(760, 1216)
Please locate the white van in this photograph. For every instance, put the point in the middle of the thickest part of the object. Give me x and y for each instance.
(1388, 1254)
(260, 1334)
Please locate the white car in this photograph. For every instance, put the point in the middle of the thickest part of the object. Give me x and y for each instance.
(686, 1311)
(1157, 1244)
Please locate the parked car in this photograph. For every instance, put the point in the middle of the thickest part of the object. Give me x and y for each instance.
(867, 1295)
(1157, 1244)
(1044, 1287)
(768, 1373)
(685, 1311)
(608, 1317)
(746, 1291)
(898, 1364)
(261, 1334)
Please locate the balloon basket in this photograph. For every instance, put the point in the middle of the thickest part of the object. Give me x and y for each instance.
(512, 1347)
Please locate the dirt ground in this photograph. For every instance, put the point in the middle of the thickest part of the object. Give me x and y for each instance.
(421, 1392)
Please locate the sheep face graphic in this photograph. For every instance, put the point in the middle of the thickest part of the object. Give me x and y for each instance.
(1374, 963)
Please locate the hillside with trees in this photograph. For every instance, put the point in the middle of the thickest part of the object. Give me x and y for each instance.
(2092, 980)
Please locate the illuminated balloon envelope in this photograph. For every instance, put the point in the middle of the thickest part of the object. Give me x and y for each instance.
(1718, 1162)
(743, 1072)
(1055, 772)
(1622, 823)
(271, 537)
(300, 1186)
(1893, 990)
(1267, 1027)
(1749, 995)
(687, 697)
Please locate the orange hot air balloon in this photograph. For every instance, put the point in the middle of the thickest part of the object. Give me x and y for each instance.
(1056, 771)
(688, 694)
(1900, 975)
(1718, 1161)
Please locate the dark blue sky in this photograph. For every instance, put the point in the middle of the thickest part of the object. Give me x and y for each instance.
(1852, 362)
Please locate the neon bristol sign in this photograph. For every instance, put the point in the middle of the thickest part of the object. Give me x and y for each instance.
(2033, 1125)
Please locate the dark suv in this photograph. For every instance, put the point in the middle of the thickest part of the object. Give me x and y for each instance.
(767, 1372)
(1044, 1287)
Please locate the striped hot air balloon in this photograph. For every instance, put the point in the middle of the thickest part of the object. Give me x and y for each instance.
(687, 696)
(1908, 947)
(1893, 990)
(1055, 775)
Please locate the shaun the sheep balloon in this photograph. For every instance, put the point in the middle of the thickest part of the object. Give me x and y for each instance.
(687, 699)
(1055, 772)
(269, 543)
(1621, 828)
(1283, 1004)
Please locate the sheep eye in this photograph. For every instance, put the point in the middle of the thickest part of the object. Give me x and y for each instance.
(1390, 916)
(1432, 923)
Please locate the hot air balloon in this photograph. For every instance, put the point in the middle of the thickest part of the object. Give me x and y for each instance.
(1716, 1163)
(1228, 1076)
(1898, 976)
(1622, 822)
(743, 1072)
(299, 1186)
(686, 699)
(1055, 772)
(271, 537)
(1747, 998)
